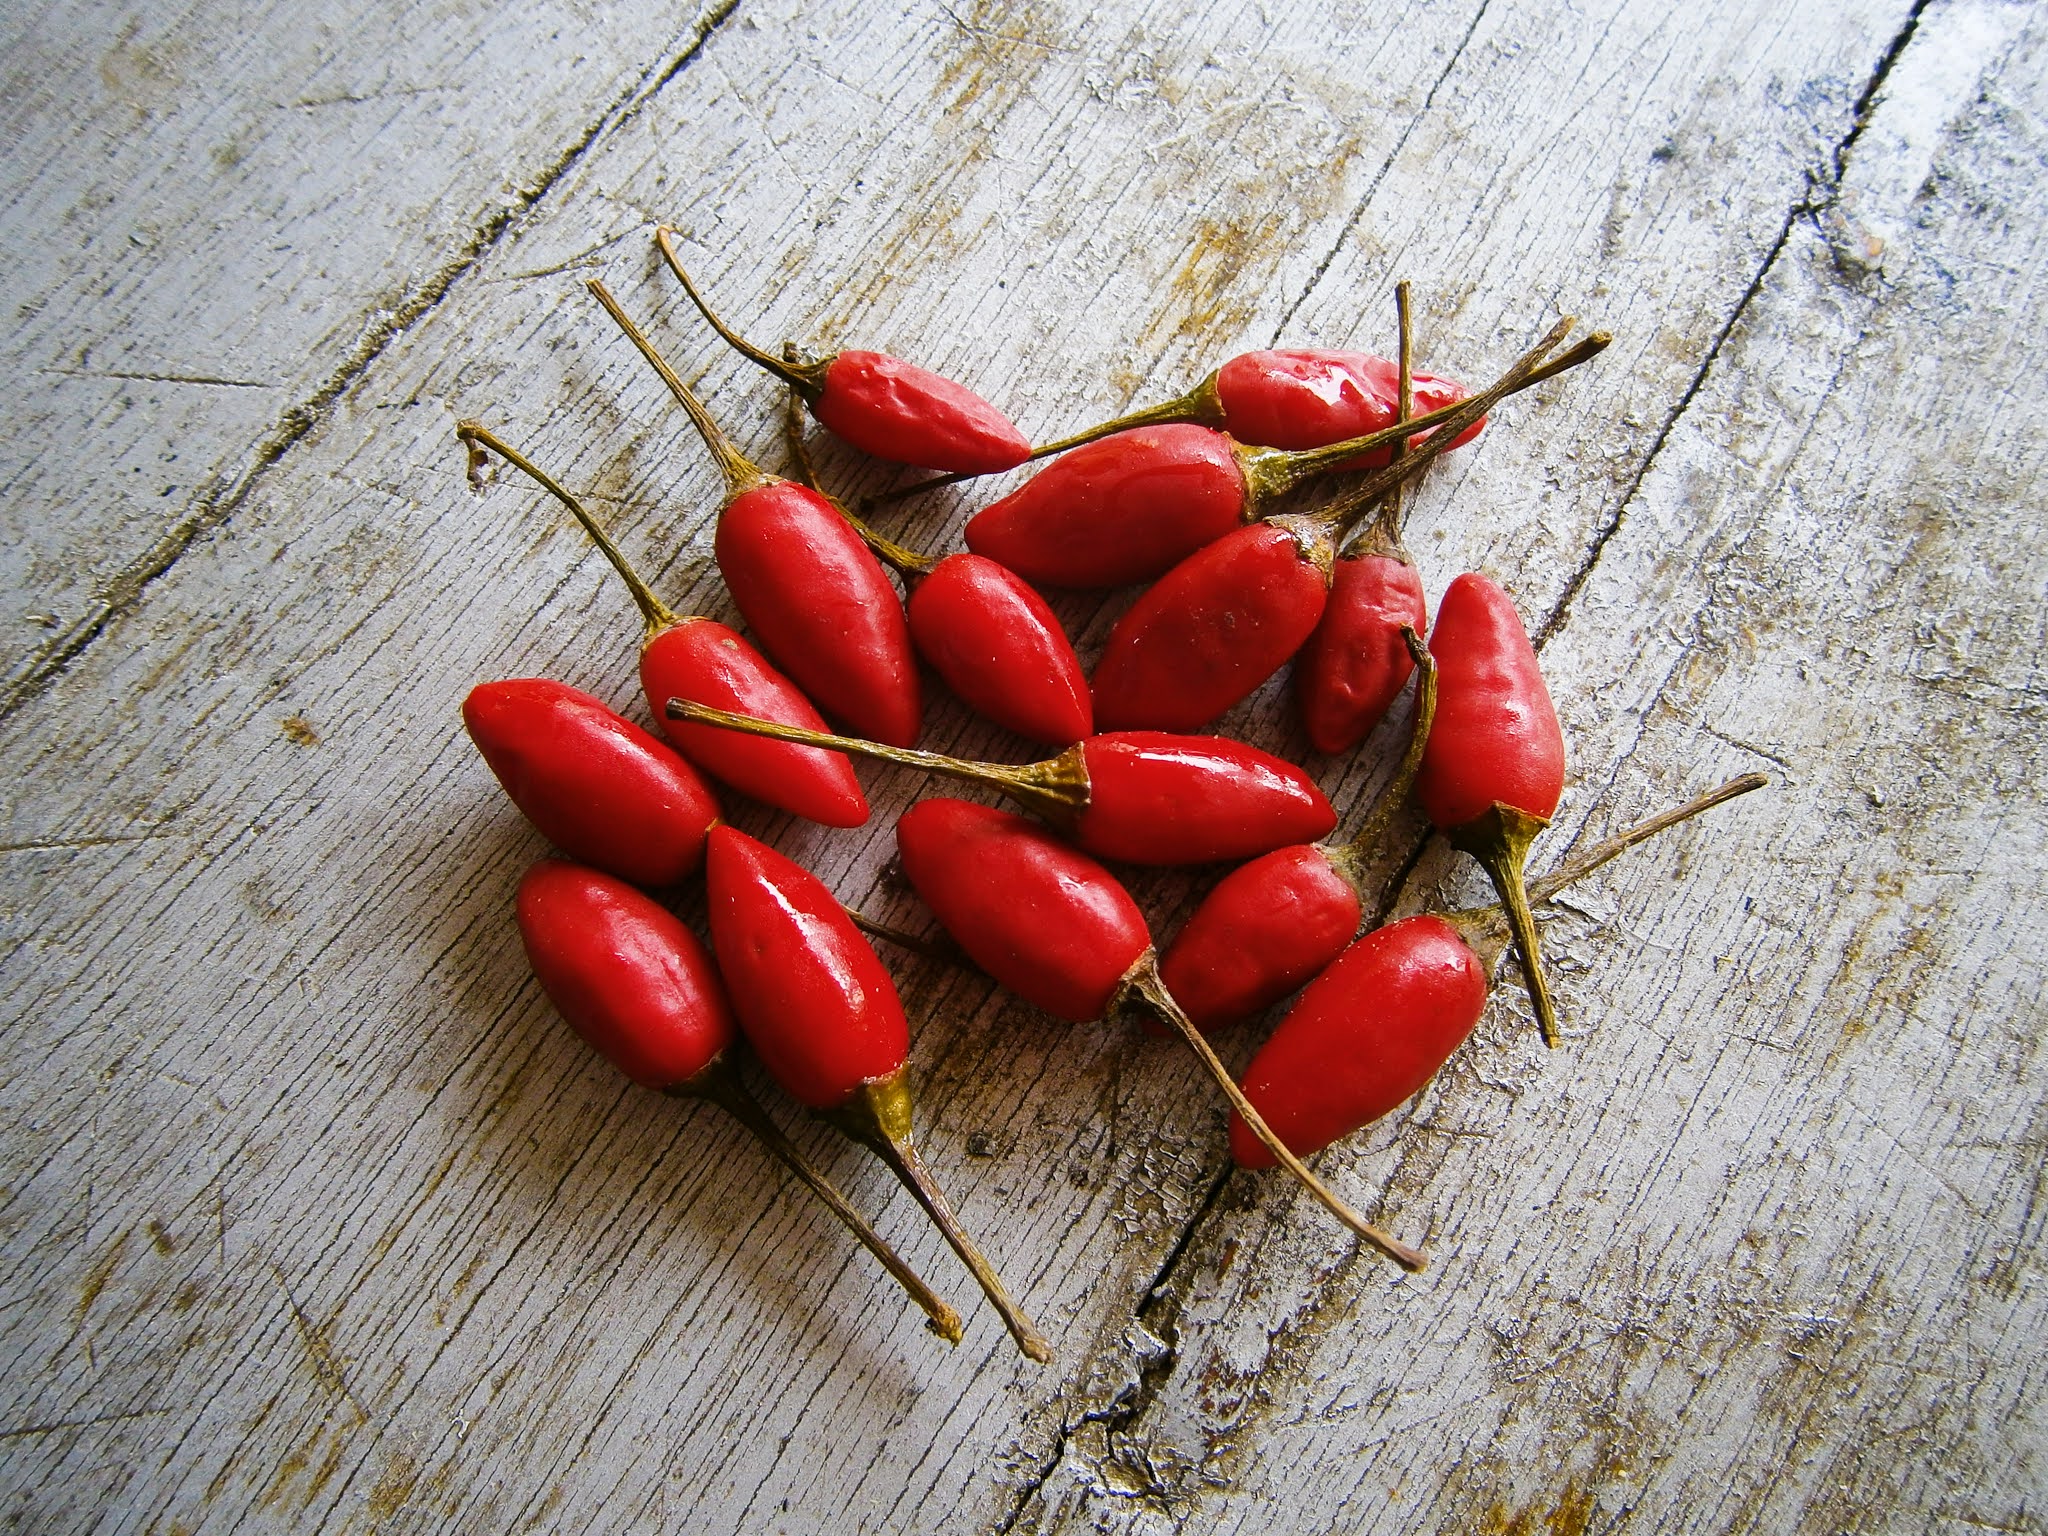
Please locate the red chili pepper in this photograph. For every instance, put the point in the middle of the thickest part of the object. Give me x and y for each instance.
(803, 580)
(596, 785)
(1129, 507)
(1230, 615)
(826, 1022)
(1354, 666)
(1056, 927)
(640, 988)
(1358, 660)
(982, 628)
(883, 405)
(697, 657)
(1380, 1022)
(1270, 925)
(1144, 797)
(1494, 769)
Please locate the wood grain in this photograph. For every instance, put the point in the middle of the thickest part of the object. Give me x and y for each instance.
(315, 1217)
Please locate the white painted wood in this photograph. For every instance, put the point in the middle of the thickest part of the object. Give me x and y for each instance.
(315, 1218)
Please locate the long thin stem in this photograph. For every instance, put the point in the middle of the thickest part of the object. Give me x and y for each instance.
(741, 473)
(805, 379)
(1500, 841)
(945, 950)
(1144, 980)
(878, 1117)
(1404, 407)
(719, 1084)
(1583, 864)
(1349, 858)
(477, 439)
(1056, 788)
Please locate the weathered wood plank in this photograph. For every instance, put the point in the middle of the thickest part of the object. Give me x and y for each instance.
(213, 217)
(417, 1261)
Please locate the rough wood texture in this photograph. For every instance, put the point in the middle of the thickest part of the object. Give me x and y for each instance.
(316, 1219)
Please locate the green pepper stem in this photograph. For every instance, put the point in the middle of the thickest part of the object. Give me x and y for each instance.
(477, 439)
(1482, 926)
(1499, 840)
(807, 377)
(878, 1117)
(944, 950)
(741, 474)
(1388, 528)
(1143, 981)
(719, 1084)
(1056, 789)
(1348, 858)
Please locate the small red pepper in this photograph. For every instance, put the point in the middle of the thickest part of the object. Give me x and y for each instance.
(596, 785)
(639, 987)
(1058, 929)
(803, 580)
(1387, 1014)
(1494, 768)
(701, 658)
(1129, 507)
(1230, 615)
(824, 1017)
(995, 641)
(883, 405)
(1144, 797)
(1358, 660)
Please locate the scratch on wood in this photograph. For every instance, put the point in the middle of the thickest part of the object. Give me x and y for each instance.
(327, 1367)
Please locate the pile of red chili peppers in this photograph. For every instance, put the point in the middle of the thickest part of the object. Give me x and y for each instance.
(1191, 496)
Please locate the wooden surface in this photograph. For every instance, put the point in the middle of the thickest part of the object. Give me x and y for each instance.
(316, 1218)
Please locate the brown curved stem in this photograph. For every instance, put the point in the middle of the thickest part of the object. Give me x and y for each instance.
(907, 563)
(1143, 980)
(1349, 858)
(1056, 788)
(807, 377)
(1389, 526)
(878, 1117)
(719, 1084)
(741, 474)
(478, 440)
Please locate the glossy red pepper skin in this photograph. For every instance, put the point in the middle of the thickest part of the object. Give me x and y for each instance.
(1355, 664)
(703, 660)
(1366, 1035)
(1000, 647)
(1267, 927)
(1307, 397)
(624, 971)
(597, 786)
(1212, 629)
(824, 608)
(1496, 740)
(1036, 913)
(910, 415)
(1161, 799)
(1125, 508)
(815, 1002)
